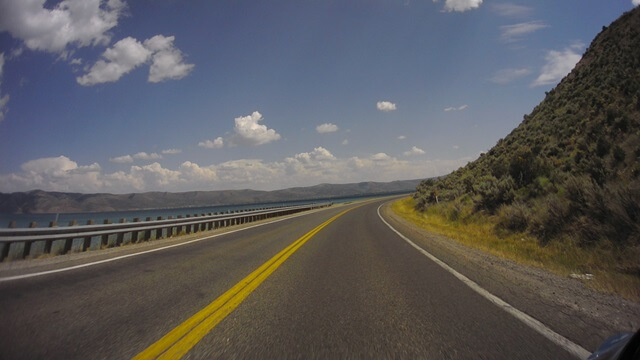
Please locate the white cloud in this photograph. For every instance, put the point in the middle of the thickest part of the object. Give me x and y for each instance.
(511, 10)
(345, 142)
(459, 108)
(192, 172)
(144, 156)
(414, 151)
(154, 176)
(511, 33)
(3, 99)
(171, 151)
(506, 76)
(635, 2)
(559, 64)
(385, 106)
(70, 22)
(456, 147)
(248, 131)
(217, 143)
(167, 62)
(461, 5)
(124, 159)
(401, 137)
(303, 169)
(380, 157)
(124, 56)
(326, 128)
(129, 53)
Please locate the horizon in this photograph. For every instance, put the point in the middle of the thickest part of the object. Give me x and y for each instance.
(232, 96)
(221, 190)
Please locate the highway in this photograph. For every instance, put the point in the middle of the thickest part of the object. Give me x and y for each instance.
(352, 288)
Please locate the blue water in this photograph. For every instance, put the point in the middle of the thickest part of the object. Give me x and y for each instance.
(63, 219)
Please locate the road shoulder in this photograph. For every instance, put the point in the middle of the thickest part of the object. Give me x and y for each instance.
(577, 312)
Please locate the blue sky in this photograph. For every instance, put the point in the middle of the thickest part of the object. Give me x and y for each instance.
(128, 96)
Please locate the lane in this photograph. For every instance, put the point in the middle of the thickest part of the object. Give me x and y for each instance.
(116, 309)
(353, 289)
(358, 290)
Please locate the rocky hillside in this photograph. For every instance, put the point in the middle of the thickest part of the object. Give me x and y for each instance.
(570, 171)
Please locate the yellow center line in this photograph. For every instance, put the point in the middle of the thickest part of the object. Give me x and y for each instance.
(185, 336)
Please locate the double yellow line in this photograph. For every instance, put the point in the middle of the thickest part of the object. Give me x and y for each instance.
(185, 336)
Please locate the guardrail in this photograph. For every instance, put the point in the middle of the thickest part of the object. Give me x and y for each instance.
(20, 243)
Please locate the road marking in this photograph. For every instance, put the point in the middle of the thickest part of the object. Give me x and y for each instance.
(41, 273)
(536, 325)
(185, 336)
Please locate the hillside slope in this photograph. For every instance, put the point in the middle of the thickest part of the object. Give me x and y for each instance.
(570, 171)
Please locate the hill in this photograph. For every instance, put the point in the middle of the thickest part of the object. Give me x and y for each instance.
(38, 201)
(570, 171)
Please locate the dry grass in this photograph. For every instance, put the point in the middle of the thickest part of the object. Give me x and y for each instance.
(609, 266)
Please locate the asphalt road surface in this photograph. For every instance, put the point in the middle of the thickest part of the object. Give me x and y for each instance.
(354, 289)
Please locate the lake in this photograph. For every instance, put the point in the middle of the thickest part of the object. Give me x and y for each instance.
(63, 219)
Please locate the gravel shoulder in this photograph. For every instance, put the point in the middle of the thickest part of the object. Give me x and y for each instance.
(566, 305)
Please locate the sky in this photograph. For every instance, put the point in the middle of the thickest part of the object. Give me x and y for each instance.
(162, 95)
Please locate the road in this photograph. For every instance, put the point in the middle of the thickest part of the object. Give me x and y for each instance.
(354, 289)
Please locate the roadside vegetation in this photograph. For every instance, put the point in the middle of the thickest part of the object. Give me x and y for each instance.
(562, 191)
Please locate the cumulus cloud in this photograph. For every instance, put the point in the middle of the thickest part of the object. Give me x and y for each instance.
(129, 53)
(54, 174)
(217, 143)
(558, 64)
(512, 33)
(145, 156)
(506, 76)
(461, 5)
(459, 108)
(326, 128)
(401, 137)
(167, 62)
(385, 106)
(345, 142)
(635, 2)
(249, 131)
(3, 99)
(303, 169)
(124, 159)
(511, 10)
(70, 22)
(414, 151)
(171, 151)
(124, 56)
(380, 157)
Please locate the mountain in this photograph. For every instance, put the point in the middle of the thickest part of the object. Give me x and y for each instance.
(570, 171)
(38, 201)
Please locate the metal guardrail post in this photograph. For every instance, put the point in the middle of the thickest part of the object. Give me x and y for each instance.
(147, 233)
(86, 244)
(104, 240)
(120, 236)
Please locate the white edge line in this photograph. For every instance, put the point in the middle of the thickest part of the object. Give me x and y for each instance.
(536, 325)
(25, 276)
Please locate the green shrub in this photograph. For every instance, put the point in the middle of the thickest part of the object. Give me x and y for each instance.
(514, 217)
(494, 193)
(550, 217)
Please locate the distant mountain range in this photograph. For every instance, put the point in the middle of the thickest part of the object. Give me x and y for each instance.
(38, 201)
